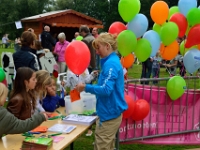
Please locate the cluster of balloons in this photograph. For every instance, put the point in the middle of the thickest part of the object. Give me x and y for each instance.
(137, 110)
(176, 86)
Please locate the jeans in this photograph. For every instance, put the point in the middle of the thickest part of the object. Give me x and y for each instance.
(155, 74)
(146, 70)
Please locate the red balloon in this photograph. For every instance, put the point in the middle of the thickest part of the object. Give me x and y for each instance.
(5, 82)
(141, 110)
(77, 57)
(131, 105)
(181, 22)
(193, 36)
(116, 28)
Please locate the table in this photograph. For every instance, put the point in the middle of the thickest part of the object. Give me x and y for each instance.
(14, 142)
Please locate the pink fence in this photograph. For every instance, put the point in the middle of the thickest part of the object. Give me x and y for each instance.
(169, 122)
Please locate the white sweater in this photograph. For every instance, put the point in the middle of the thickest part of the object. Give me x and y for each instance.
(73, 80)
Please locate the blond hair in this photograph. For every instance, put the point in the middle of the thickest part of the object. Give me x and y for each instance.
(3, 93)
(105, 38)
(43, 80)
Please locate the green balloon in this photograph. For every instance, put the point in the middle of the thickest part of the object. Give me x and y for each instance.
(169, 33)
(157, 27)
(79, 38)
(183, 50)
(126, 42)
(128, 9)
(172, 11)
(143, 50)
(193, 17)
(176, 86)
(2, 75)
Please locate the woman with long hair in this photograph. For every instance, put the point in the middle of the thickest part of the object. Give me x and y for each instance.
(22, 101)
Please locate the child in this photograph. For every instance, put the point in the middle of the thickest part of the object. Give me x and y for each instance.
(22, 101)
(85, 77)
(51, 101)
(9, 124)
(156, 67)
(43, 81)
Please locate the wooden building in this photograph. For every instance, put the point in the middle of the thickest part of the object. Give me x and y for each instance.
(67, 21)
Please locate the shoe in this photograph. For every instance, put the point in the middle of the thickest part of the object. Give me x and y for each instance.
(89, 134)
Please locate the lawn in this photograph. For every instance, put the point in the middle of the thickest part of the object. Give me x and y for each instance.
(85, 143)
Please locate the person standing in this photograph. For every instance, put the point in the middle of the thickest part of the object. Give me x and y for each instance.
(96, 34)
(88, 39)
(59, 50)
(156, 67)
(75, 36)
(46, 39)
(5, 40)
(109, 92)
(146, 70)
(24, 57)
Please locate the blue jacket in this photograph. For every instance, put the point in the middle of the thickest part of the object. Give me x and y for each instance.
(110, 89)
(50, 103)
(24, 58)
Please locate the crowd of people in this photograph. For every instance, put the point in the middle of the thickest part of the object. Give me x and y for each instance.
(33, 97)
(151, 67)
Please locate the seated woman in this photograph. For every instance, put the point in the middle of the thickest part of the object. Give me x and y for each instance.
(9, 124)
(22, 101)
(51, 101)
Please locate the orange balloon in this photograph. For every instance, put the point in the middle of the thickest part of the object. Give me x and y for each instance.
(198, 46)
(169, 52)
(127, 61)
(159, 12)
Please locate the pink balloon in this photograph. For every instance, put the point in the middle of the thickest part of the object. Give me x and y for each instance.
(193, 36)
(181, 22)
(77, 57)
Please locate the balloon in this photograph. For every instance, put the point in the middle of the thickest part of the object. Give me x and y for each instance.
(77, 57)
(5, 82)
(193, 17)
(141, 110)
(191, 60)
(128, 9)
(169, 52)
(169, 33)
(138, 25)
(157, 27)
(154, 40)
(131, 105)
(143, 50)
(159, 12)
(116, 28)
(185, 6)
(127, 61)
(183, 50)
(176, 87)
(127, 42)
(181, 22)
(79, 38)
(198, 46)
(193, 36)
(2, 74)
(172, 11)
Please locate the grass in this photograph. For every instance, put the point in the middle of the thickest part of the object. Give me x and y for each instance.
(85, 143)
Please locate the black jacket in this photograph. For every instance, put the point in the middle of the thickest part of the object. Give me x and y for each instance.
(47, 40)
(24, 58)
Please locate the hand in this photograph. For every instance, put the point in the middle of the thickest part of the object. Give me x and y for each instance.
(95, 73)
(45, 115)
(46, 50)
(80, 87)
(62, 83)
